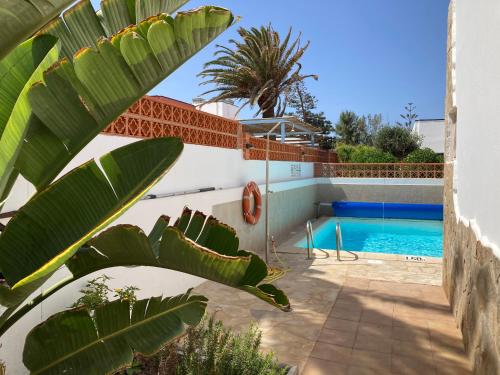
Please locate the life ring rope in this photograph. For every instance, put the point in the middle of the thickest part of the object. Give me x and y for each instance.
(251, 189)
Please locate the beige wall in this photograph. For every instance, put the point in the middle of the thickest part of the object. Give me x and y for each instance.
(382, 193)
(289, 210)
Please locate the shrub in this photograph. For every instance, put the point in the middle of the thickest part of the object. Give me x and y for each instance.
(344, 152)
(398, 141)
(424, 155)
(212, 349)
(368, 154)
(209, 348)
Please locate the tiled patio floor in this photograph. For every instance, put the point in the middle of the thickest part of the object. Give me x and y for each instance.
(375, 314)
(390, 328)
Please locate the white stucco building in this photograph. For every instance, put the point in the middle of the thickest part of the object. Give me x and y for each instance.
(432, 133)
(226, 108)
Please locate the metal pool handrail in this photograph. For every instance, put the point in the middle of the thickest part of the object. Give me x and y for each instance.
(310, 240)
(338, 238)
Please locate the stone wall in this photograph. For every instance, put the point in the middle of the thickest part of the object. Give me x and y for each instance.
(471, 274)
(471, 270)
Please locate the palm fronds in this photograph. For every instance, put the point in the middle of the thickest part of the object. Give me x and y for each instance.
(259, 70)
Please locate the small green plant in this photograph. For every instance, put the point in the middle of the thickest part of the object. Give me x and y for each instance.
(212, 349)
(97, 290)
(127, 293)
(424, 155)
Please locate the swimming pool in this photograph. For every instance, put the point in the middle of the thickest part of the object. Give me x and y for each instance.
(392, 236)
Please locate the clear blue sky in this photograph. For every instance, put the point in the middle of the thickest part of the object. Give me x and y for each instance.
(372, 56)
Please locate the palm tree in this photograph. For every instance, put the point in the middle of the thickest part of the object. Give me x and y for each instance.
(261, 70)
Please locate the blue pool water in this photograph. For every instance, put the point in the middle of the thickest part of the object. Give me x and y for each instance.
(392, 236)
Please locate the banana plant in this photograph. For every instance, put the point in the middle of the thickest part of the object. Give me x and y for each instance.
(58, 90)
(195, 244)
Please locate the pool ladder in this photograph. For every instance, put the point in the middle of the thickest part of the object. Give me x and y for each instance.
(310, 242)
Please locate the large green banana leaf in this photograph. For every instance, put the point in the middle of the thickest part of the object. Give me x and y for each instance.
(43, 127)
(118, 14)
(53, 225)
(74, 342)
(22, 18)
(18, 71)
(80, 98)
(195, 245)
(80, 26)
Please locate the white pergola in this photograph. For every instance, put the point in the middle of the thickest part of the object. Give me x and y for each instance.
(266, 127)
(280, 127)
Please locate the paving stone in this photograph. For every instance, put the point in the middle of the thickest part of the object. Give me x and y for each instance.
(352, 318)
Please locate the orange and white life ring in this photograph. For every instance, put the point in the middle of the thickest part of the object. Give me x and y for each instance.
(252, 190)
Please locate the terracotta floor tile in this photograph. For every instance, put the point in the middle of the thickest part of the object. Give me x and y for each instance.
(403, 365)
(376, 317)
(418, 348)
(334, 353)
(453, 356)
(341, 324)
(409, 333)
(409, 322)
(357, 283)
(450, 367)
(371, 359)
(346, 314)
(446, 341)
(373, 343)
(389, 323)
(315, 366)
(352, 290)
(348, 305)
(373, 329)
(335, 337)
(358, 370)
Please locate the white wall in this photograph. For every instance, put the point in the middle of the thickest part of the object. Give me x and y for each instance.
(223, 109)
(198, 167)
(477, 168)
(432, 133)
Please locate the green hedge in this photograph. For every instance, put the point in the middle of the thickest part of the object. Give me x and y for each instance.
(424, 155)
(344, 152)
(363, 154)
(398, 141)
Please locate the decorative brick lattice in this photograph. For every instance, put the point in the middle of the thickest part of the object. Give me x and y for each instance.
(379, 170)
(285, 152)
(152, 117)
